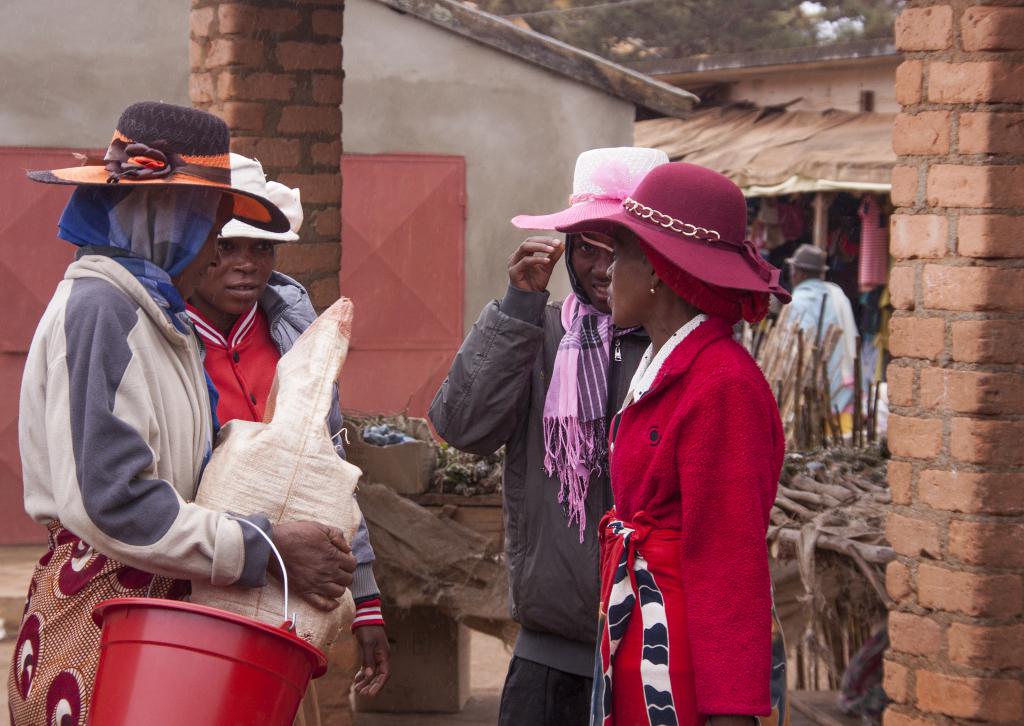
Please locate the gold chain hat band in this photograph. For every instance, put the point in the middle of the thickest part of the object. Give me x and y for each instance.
(642, 211)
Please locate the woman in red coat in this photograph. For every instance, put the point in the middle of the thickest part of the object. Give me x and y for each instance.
(696, 453)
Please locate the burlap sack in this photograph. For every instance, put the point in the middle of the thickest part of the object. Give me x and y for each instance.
(289, 470)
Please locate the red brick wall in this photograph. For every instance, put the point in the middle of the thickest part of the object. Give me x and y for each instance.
(957, 380)
(272, 70)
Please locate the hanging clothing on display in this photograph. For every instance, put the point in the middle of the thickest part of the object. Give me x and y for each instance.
(874, 245)
(870, 324)
(767, 227)
(791, 220)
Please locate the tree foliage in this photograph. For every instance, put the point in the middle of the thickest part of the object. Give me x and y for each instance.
(637, 29)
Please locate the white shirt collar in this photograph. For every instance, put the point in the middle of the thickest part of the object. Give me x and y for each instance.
(650, 364)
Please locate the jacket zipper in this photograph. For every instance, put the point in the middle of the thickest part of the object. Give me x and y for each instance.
(199, 374)
(196, 348)
(615, 377)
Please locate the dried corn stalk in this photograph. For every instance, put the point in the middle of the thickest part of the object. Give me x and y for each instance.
(795, 363)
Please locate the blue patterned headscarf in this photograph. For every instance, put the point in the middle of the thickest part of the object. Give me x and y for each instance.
(159, 230)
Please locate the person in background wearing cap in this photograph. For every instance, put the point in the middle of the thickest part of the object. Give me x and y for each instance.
(540, 378)
(696, 452)
(807, 268)
(115, 423)
(248, 315)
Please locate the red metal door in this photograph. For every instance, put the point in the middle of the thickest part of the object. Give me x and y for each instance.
(32, 262)
(403, 226)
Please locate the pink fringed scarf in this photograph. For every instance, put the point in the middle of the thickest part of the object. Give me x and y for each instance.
(576, 405)
(577, 400)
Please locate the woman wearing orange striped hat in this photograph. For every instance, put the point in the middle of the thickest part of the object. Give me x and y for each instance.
(115, 422)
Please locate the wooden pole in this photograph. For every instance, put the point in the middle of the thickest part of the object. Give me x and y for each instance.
(822, 202)
(874, 412)
(858, 416)
(797, 403)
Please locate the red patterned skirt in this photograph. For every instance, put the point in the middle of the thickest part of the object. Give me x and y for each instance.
(55, 659)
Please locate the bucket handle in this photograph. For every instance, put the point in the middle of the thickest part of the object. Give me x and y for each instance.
(288, 624)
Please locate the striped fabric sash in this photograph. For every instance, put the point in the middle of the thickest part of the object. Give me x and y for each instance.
(633, 581)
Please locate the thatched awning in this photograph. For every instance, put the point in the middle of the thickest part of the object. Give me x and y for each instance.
(770, 152)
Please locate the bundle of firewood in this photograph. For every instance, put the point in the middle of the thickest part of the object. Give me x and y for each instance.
(827, 538)
(836, 500)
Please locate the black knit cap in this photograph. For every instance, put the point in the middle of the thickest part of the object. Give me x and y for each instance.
(188, 131)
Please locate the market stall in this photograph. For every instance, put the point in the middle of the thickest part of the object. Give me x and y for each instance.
(810, 177)
(821, 179)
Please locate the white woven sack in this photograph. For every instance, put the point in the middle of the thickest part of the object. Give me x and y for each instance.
(288, 468)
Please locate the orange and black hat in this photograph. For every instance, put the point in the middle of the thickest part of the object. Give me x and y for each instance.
(160, 143)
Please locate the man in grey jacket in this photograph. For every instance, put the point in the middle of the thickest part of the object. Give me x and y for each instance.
(533, 376)
(494, 396)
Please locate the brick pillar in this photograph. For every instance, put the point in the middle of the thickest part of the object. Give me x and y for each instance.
(957, 378)
(272, 70)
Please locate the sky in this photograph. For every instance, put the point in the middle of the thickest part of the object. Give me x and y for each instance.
(827, 29)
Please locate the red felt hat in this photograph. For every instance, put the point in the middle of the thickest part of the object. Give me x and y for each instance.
(696, 220)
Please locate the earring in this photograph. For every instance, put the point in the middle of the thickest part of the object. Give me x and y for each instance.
(652, 291)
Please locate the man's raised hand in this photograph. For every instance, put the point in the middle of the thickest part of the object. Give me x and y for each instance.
(531, 265)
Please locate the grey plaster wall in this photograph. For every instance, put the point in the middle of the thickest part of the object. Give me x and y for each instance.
(415, 88)
(823, 88)
(68, 67)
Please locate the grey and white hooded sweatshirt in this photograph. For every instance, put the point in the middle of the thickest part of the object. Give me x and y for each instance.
(115, 427)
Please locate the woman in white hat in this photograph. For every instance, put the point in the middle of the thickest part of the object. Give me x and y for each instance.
(248, 315)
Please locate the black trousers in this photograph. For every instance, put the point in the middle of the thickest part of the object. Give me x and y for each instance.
(535, 695)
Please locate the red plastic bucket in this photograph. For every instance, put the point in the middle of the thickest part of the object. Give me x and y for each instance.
(170, 663)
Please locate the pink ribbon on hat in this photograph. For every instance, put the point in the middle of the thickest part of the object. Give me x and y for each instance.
(615, 181)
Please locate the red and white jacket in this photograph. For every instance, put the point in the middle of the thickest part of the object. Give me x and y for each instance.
(241, 363)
